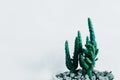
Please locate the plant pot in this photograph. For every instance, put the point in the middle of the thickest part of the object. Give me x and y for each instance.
(97, 75)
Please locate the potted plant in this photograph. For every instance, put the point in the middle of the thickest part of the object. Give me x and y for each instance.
(85, 57)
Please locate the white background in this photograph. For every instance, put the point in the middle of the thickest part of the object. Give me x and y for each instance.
(33, 32)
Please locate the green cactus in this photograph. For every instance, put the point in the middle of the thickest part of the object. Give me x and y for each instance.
(88, 57)
(72, 63)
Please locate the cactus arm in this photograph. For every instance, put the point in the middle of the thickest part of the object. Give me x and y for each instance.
(67, 48)
(67, 55)
(75, 56)
(92, 34)
(76, 46)
(79, 42)
(77, 49)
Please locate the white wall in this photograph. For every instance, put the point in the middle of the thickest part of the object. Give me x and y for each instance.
(33, 32)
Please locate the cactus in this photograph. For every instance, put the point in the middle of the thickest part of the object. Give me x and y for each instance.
(72, 63)
(88, 57)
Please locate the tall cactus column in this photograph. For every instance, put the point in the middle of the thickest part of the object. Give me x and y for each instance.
(88, 57)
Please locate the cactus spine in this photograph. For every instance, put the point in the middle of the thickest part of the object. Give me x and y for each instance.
(86, 57)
